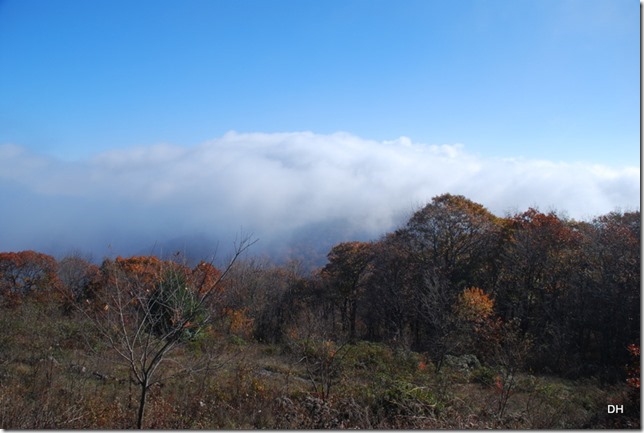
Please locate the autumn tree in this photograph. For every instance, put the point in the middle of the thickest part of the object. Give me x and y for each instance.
(474, 305)
(536, 255)
(27, 273)
(146, 308)
(446, 246)
(610, 289)
(264, 299)
(539, 251)
(570, 288)
(455, 236)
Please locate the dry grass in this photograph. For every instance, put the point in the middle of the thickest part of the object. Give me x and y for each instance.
(55, 374)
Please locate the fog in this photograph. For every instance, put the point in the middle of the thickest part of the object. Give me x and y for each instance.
(287, 189)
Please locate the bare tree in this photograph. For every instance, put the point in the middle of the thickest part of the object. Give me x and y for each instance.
(435, 310)
(147, 308)
(78, 274)
(510, 354)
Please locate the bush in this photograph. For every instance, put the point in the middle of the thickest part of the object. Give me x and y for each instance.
(404, 405)
(484, 376)
(367, 356)
(463, 362)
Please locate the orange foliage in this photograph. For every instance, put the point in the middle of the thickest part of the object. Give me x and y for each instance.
(140, 274)
(28, 273)
(474, 305)
(240, 323)
(145, 270)
(205, 278)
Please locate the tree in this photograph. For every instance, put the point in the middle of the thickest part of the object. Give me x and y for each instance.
(147, 307)
(511, 347)
(611, 285)
(263, 296)
(538, 258)
(455, 236)
(474, 305)
(391, 293)
(346, 272)
(27, 273)
(500, 343)
(437, 318)
(78, 276)
(446, 246)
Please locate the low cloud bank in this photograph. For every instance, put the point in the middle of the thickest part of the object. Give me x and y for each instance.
(279, 186)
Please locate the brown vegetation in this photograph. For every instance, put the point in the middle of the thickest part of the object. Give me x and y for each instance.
(459, 319)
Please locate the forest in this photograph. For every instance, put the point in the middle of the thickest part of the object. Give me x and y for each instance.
(457, 319)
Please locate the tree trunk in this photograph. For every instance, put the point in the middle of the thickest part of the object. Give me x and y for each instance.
(352, 320)
(142, 401)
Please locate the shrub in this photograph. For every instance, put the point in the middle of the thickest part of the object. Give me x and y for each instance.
(484, 376)
(404, 405)
(367, 356)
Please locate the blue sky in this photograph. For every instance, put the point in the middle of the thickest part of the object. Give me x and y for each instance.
(551, 79)
(133, 123)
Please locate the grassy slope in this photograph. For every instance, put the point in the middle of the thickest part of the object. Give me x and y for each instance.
(55, 373)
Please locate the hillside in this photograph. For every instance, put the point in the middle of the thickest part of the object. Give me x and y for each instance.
(458, 319)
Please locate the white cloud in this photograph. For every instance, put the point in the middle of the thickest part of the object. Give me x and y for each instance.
(275, 184)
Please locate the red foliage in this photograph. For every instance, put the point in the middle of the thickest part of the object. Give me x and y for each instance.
(633, 369)
(546, 231)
